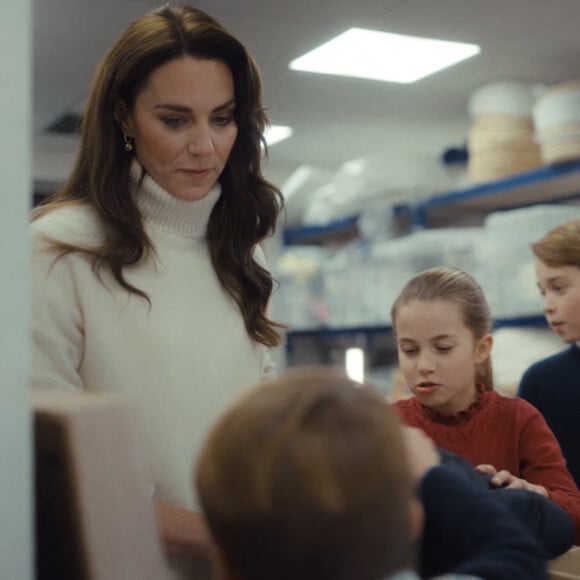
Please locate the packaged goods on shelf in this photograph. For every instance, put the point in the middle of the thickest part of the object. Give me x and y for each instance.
(557, 123)
(510, 278)
(300, 301)
(515, 349)
(362, 281)
(501, 137)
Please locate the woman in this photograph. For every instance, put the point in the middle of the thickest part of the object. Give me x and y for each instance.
(148, 277)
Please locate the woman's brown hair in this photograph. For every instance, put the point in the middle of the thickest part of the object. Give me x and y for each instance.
(248, 208)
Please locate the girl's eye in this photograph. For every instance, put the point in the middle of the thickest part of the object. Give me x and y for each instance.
(409, 350)
(173, 122)
(444, 348)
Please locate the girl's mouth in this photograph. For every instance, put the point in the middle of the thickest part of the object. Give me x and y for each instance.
(427, 388)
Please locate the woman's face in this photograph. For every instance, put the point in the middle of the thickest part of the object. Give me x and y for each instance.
(438, 354)
(183, 125)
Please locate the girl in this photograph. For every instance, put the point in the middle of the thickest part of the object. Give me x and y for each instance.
(442, 325)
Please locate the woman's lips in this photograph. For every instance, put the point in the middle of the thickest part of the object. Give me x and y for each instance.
(196, 172)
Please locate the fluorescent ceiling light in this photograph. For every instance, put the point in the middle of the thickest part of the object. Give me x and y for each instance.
(276, 133)
(382, 56)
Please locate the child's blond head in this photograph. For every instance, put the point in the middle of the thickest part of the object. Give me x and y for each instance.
(305, 478)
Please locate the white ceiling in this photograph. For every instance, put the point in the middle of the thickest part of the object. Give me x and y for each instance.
(334, 119)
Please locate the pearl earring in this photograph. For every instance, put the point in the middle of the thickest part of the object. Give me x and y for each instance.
(128, 143)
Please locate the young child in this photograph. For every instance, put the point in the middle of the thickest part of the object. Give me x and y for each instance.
(553, 384)
(311, 477)
(442, 325)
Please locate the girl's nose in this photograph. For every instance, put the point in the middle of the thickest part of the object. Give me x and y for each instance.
(426, 364)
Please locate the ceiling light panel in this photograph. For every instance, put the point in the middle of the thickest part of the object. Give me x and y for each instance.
(383, 56)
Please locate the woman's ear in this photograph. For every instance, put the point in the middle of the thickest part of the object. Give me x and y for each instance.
(122, 116)
(483, 349)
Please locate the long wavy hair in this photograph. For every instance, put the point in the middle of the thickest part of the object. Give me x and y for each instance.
(460, 288)
(248, 208)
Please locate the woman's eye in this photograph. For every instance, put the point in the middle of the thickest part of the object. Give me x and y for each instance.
(173, 122)
(223, 120)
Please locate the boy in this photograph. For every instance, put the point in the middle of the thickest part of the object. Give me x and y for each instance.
(311, 477)
(552, 385)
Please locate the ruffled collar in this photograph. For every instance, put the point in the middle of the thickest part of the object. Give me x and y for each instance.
(463, 416)
(162, 210)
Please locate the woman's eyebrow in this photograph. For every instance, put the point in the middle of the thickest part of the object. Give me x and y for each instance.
(184, 109)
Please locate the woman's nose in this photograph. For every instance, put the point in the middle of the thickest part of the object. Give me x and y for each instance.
(200, 140)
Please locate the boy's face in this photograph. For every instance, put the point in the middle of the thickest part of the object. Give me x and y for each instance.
(560, 287)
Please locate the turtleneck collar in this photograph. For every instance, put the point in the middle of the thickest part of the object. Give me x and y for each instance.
(461, 416)
(162, 210)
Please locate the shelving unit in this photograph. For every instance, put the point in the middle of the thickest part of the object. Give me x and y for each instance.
(468, 206)
(550, 184)
(528, 321)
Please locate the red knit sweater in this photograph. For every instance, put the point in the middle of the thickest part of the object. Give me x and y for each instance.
(507, 433)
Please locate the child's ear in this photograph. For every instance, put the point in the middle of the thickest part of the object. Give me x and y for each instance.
(483, 349)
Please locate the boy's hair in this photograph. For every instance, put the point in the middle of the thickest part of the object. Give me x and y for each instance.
(560, 246)
(306, 478)
(456, 286)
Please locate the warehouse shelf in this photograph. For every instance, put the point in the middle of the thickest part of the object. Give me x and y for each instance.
(550, 184)
(528, 320)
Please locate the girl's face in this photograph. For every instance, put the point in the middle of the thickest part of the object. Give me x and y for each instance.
(438, 354)
(183, 125)
(560, 287)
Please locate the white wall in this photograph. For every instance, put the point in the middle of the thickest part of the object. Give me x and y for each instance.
(15, 146)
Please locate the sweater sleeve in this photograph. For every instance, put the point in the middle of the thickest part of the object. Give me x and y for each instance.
(57, 329)
(468, 532)
(542, 463)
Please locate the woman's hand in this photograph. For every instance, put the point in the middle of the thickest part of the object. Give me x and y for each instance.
(504, 478)
(182, 531)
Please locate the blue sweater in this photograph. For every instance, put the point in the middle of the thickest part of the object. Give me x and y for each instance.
(552, 385)
(467, 531)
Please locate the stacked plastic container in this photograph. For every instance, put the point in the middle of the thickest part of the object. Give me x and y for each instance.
(557, 123)
(509, 276)
(501, 138)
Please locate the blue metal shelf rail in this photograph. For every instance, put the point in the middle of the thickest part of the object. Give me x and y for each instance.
(549, 184)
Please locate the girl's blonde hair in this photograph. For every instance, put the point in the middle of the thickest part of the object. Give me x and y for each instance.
(458, 287)
(560, 246)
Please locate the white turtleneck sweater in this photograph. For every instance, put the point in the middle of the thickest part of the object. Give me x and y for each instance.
(180, 361)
